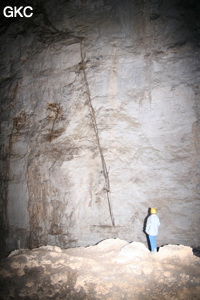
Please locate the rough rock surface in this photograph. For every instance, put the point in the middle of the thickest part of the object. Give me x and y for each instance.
(137, 63)
(113, 269)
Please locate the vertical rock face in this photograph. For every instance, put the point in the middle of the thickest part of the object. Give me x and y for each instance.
(99, 122)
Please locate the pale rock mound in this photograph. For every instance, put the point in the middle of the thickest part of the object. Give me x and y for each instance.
(113, 269)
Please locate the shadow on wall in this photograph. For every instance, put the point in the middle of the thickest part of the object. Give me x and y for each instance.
(196, 251)
(144, 227)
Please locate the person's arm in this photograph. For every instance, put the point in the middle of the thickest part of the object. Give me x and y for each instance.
(148, 225)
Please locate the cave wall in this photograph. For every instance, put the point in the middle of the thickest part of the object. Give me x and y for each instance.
(98, 91)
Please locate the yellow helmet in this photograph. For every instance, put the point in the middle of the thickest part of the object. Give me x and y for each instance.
(153, 211)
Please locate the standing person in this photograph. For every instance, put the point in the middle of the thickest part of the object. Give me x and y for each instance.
(153, 223)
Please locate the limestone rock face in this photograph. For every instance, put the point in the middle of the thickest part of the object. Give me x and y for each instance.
(99, 122)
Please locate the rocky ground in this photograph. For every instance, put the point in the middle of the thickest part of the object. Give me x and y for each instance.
(113, 269)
